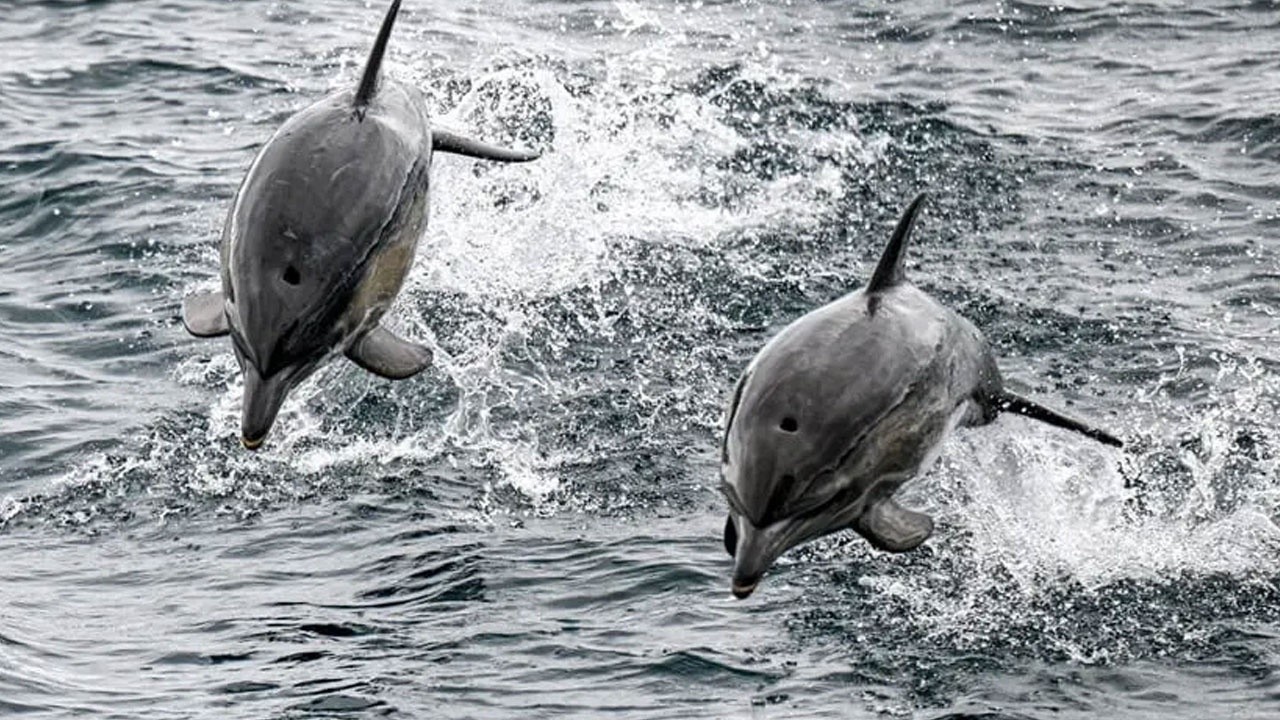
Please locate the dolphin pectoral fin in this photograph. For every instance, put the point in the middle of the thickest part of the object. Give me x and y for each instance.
(1010, 402)
(730, 536)
(382, 353)
(448, 142)
(890, 527)
(205, 315)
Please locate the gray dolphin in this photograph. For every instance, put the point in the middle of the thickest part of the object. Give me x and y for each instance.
(845, 405)
(321, 235)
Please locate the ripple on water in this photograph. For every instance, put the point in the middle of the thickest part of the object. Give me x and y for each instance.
(533, 523)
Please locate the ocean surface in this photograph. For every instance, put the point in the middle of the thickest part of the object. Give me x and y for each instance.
(532, 528)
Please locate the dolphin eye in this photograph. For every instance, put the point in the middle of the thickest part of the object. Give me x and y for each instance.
(789, 424)
(292, 276)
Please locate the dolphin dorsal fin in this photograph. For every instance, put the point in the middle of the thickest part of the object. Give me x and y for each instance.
(889, 270)
(369, 81)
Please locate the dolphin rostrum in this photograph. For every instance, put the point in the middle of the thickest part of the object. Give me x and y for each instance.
(845, 405)
(321, 235)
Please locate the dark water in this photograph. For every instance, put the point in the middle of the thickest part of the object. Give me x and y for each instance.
(531, 529)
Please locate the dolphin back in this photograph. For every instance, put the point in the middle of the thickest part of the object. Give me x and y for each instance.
(319, 205)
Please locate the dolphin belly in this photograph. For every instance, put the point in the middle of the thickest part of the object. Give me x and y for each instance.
(389, 264)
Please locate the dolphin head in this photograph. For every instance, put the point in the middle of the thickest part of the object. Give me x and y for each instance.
(831, 417)
(755, 548)
(289, 281)
(781, 493)
(274, 358)
(795, 443)
(307, 238)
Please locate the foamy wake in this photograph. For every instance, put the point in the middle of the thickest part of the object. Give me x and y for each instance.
(1045, 535)
(628, 157)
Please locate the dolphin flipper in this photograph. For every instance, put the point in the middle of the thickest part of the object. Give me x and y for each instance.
(730, 536)
(382, 353)
(205, 315)
(891, 527)
(447, 142)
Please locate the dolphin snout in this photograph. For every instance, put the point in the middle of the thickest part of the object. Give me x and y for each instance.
(755, 552)
(746, 576)
(262, 400)
(742, 589)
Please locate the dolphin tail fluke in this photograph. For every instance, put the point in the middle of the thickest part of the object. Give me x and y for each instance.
(448, 142)
(889, 270)
(369, 81)
(1010, 402)
(204, 315)
(382, 353)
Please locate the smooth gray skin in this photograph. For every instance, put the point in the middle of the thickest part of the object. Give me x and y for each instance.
(321, 235)
(844, 406)
(872, 394)
(320, 238)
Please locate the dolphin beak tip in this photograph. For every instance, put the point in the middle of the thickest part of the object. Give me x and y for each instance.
(742, 591)
(251, 444)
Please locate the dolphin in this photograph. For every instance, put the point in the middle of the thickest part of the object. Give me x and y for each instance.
(321, 235)
(845, 405)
